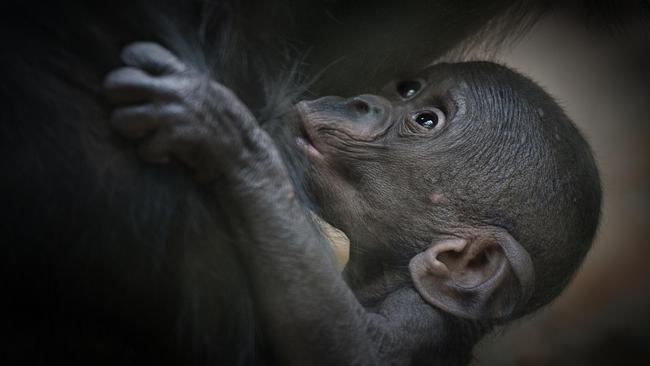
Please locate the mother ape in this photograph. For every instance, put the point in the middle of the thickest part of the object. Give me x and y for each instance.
(108, 260)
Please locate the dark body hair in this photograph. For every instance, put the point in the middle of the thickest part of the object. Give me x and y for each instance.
(110, 260)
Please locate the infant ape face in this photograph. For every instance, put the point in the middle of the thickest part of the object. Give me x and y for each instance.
(400, 159)
(458, 151)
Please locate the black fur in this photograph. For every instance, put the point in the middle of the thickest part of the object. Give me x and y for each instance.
(111, 260)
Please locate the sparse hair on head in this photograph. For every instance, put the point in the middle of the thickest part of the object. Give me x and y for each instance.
(543, 185)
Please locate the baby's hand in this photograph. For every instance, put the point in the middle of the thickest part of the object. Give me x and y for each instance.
(176, 113)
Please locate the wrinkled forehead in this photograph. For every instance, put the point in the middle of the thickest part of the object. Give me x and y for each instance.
(478, 72)
(457, 78)
(483, 83)
(441, 74)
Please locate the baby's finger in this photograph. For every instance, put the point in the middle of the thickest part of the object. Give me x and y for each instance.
(141, 120)
(130, 85)
(151, 57)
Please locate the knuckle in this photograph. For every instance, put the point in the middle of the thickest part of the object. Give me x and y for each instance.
(189, 93)
(196, 84)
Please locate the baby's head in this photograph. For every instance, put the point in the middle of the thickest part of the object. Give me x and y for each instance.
(471, 173)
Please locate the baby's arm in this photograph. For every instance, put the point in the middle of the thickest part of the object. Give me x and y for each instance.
(309, 314)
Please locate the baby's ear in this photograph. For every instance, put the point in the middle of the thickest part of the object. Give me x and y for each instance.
(486, 276)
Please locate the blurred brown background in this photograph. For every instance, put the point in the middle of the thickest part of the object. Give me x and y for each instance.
(603, 317)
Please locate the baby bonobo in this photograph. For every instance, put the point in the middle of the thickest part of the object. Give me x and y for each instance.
(468, 196)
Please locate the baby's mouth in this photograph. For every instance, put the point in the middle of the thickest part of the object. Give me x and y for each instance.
(306, 136)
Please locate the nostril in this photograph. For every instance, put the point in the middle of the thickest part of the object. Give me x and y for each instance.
(360, 106)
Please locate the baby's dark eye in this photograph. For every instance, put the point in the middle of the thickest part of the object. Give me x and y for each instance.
(430, 119)
(408, 88)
